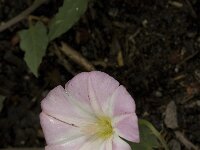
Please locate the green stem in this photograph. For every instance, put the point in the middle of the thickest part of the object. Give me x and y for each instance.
(155, 132)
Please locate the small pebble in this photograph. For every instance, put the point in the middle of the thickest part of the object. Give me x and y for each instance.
(171, 116)
(144, 23)
(158, 94)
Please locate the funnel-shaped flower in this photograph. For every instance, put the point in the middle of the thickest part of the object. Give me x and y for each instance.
(93, 112)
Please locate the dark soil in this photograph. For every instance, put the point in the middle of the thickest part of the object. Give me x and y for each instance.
(160, 44)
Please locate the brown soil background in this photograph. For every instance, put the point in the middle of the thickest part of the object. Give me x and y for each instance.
(159, 42)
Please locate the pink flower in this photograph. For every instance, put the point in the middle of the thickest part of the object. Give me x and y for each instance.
(93, 112)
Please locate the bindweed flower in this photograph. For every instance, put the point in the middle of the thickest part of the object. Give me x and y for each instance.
(93, 112)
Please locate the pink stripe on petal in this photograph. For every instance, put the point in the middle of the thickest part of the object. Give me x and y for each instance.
(78, 87)
(101, 88)
(56, 131)
(121, 102)
(127, 127)
(119, 144)
(61, 106)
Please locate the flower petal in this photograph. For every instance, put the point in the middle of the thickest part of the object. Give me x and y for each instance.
(78, 87)
(101, 87)
(108, 144)
(127, 127)
(56, 131)
(62, 106)
(114, 143)
(70, 145)
(121, 103)
(92, 143)
(119, 144)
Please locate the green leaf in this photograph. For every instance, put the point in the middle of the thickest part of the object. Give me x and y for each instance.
(150, 138)
(34, 42)
(148, 141)
(67, 15)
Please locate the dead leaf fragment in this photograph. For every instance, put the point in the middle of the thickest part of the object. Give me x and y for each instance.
(120, 59)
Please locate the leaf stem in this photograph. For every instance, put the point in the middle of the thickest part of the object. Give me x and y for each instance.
(155, 132)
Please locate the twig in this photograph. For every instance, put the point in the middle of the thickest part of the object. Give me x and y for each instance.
(62, 60)
(76, 57)
(188, 58)
(22, 15)
(176, 4)
(191, 9)
(189, 145)
(187, 98)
